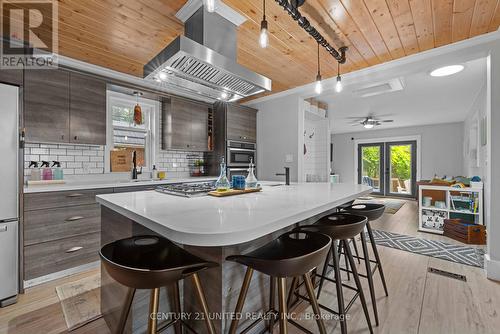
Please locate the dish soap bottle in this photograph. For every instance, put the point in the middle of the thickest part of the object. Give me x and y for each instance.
(57, 173)
(222, 184)
(46, 171)
(251, 180)
(35, 172)
(155, 173)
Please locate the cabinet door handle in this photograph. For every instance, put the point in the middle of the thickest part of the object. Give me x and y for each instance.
(74, 218)
(74, 249)
(74, 195)
(76, 137)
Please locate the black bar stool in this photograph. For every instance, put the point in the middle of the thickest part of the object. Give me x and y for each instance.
(353, 240)
(341, 228)
(291, 255)
(372, 212)
(152, 262)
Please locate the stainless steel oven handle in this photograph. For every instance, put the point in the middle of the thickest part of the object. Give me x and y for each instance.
(241, 149)
(237, 169)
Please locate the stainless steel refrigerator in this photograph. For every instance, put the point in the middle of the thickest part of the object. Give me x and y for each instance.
(9, 193)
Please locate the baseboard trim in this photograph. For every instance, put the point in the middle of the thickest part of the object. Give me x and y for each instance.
(60, 274)
(492, 268)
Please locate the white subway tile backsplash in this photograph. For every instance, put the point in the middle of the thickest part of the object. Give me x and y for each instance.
(89, 153)
(62, 158)
(82, 158)
(48, 145)
(39, 150)
(74, 152)
(57, 151)
(74, 165)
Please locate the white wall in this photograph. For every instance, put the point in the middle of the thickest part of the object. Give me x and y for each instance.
(475, 154)
(316, 157)
(492, 186)
(441, 149)
(278, 128)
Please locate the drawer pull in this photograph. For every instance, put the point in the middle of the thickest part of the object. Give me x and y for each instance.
(75, 218)
(74, 195)
(74, 249)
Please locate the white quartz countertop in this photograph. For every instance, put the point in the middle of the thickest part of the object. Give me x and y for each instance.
(213, 221)
(74, 185)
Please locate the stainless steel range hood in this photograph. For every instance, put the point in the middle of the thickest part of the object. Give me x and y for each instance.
(204, 61)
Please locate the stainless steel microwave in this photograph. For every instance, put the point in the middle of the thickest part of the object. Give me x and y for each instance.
(239, 154)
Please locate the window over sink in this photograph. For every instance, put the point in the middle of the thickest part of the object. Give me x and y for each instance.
(125, 136)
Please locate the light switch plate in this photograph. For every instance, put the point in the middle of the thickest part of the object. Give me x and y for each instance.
(289, 158)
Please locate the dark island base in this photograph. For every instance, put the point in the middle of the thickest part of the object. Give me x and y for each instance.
(221, 284)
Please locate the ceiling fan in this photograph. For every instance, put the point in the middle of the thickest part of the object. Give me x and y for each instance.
(369, 122)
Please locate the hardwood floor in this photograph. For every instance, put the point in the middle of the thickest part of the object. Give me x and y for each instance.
(418, 302)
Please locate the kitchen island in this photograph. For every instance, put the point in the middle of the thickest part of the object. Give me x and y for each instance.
(213, 228)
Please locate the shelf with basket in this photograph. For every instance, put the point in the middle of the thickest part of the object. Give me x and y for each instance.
(438, 203)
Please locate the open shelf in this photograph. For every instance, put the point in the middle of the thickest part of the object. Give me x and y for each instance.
(465, 203)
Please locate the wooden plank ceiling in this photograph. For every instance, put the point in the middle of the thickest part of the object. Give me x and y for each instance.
(125, 34)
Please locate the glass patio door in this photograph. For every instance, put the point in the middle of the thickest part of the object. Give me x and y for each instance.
(400, 171)
(371, 166)
(389, 167)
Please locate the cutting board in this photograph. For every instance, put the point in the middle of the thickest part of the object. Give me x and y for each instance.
(233, 192)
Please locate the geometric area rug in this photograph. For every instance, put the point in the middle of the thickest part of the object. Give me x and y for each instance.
(460, 254)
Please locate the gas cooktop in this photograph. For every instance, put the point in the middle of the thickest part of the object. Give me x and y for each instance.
(194, 189)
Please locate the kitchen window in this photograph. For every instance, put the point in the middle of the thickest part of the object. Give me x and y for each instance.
(125, 137)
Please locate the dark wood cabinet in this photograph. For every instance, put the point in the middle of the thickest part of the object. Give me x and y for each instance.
(241, 123)
(87, 110)
(185, 125)
(11, 77)
(199, 127)
(64, 107)
(46, 105)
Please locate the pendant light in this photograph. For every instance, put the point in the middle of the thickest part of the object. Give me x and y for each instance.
(319, 86)
(210, 5)
(137, 110)
(338, 85)
(263, 38)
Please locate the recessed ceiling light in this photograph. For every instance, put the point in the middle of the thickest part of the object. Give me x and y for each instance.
(224, 95)
(447, 70)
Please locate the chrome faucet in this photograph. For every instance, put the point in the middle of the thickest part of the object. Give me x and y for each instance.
(286, 175)
(134, 168)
